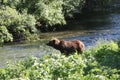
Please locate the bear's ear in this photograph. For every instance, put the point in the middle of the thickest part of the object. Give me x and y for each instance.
(54, 38)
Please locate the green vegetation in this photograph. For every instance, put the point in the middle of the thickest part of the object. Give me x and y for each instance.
(5, 35)
(99, 63)
(22, 19)
(18, 26)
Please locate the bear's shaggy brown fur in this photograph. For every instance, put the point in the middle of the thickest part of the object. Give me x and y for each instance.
(67, 47)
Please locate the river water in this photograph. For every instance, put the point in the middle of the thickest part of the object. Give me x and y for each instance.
(88, 28)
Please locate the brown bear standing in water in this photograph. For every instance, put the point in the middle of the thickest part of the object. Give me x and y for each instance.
(67, 47)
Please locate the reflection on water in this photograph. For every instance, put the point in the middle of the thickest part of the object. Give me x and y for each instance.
(87, 28)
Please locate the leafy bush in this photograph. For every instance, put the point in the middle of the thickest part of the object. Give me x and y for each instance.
(11, 3)
(52, 67)
(103, 60)
(51, 12)
(89, 66)
(70, 7)
(47, 11)
(17, 24)
(5, 36)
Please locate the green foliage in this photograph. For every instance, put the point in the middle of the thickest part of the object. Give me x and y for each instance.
(72, 6)
(94, 64)
(20, 16)
(103, 60)
(11, 3)
(47, 11)
(17, 24)
(54, 66)
(5, 36)
(50, 11)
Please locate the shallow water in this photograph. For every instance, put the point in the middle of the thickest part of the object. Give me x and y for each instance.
(89, 28)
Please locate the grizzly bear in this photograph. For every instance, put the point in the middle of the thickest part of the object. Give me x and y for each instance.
(67, 47)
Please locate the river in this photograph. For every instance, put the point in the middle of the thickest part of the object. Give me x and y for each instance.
(88, 28)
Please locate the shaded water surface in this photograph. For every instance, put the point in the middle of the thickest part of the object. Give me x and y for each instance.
(87, 28)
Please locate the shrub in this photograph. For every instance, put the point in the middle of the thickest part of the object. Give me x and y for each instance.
(11, 3)
(103, 61)
(50, 12)
(47, 11)
(52, 67)
(5, 36)
(17, 24)
(70, 7)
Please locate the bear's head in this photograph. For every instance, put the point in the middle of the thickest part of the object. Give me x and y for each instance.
(53, 42)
